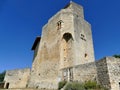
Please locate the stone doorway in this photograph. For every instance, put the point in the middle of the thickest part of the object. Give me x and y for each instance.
(71, 74)
(68, 74)
(7, 85)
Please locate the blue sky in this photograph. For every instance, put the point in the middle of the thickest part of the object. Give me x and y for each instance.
(22, 20)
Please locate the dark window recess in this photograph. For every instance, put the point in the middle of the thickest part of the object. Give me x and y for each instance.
(86, 55)
(83, 37)
(37, 87)
(67, 37)
(77, 16)
(7, 85)
(59, 24)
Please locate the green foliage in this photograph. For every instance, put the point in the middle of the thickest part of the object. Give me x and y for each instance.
(116, 56)
(61, 84)
(2, 75)
(88, 85)
(91, 85)
(74, 86)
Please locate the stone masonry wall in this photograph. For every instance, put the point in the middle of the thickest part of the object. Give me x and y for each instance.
(85, 72)
(114, 72)
(80, 73)
(84, 52)
(102, 72)
(108, 70)
(17, 78)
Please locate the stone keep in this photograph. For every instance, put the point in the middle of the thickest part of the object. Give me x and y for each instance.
(66, 42)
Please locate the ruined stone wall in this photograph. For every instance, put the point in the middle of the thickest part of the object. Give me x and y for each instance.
(80, 73)
(108, 70)
(16, 78)
(114, 72)
(102, 73)
(85, 72)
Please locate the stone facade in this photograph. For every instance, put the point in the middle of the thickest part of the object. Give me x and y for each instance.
(66, 41)
(17, 78)
(65, 52)
(108, 71)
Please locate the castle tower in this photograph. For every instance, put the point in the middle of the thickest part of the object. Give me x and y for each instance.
(66, 42)
(76, 46)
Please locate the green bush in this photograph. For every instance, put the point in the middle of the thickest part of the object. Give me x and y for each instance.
(88, 85)
(61, 84)
(74, 86)
(91, 85)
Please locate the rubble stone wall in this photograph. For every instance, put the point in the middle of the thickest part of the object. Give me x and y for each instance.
(17, 78)
(108, 72)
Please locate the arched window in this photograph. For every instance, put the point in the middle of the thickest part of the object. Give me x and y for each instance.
(67, 37)
(59, 24)
(67, 49)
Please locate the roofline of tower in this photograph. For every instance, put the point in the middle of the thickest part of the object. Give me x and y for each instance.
(60, 11)
(71, 2)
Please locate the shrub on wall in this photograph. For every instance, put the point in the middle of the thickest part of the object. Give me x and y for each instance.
(61, 84)
(88, 85)
(74, 86)
(91, 85)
